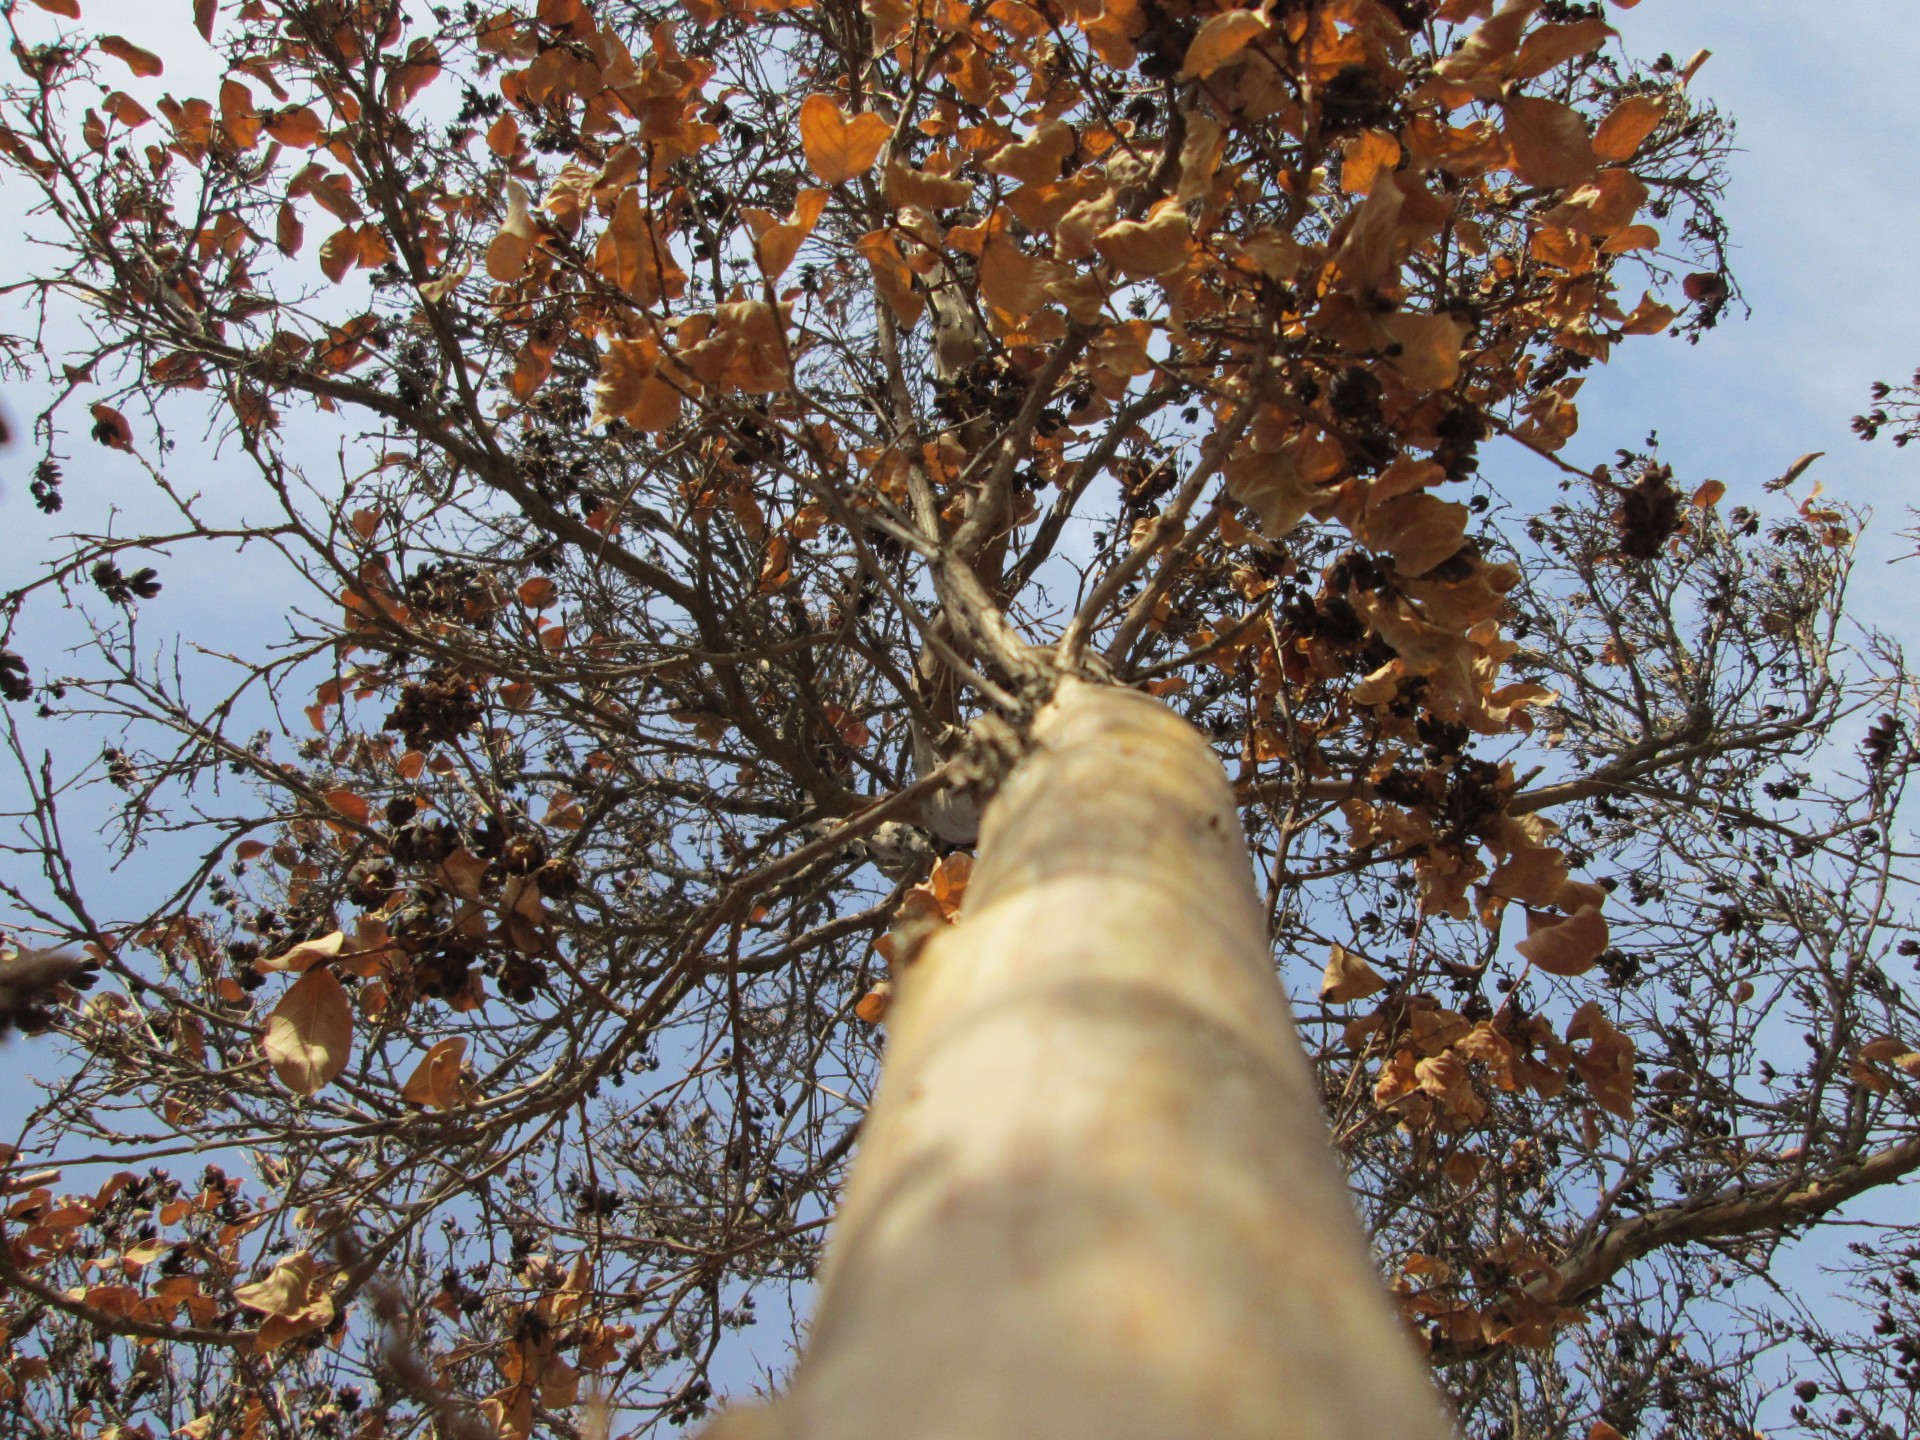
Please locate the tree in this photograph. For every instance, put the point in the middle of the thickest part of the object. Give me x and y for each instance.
(713, 440)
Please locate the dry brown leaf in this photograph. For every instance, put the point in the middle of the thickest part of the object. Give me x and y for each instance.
(339, 253)
(1649, 317)
(1428, 356)
(776, 242)
(909, 187)
(1148, 248)
(872, 1006)
(630, 388)
(125, 109)
(1348, 978)
(1551, 147)
(297, 126)
(1607, 1065)
(507, 255)
(1885, 1047)
(1282, 487)
(435, 1082)
(1220, 40)
(1364, 157)
(1627, 126)
(143, 63)
(1634, 237)
(304, 956)
(463, 872)
(1368, 257)
(110, 427)
(1552, 45)
(1488, 50)
(1036, 160)
(290, 1298)
(1420, 531)
(310, 1032)
(838, 149)
(892, 275)
(1564, 945)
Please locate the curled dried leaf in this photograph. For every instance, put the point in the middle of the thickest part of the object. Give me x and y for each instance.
(1348, 977)
(1565, 944)
(436, 1080)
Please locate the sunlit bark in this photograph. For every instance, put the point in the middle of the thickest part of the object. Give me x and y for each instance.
(1094, 1196)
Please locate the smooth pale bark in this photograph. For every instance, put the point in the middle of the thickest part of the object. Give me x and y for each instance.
(1094, 1196)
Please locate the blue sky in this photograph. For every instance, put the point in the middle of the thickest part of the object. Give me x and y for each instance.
(1823, 208)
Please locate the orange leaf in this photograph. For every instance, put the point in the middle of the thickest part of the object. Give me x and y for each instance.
(310, 1033)
(238, 119)
(1037, 159)
(290, 1299)
(1429, 348)
(435, 1082)
(1146, 248)
(285, 1289)
(1348, 977)
(68, 8)
(776, 570)
(143, 63)
(1551, 147)
(1221, 39)
(1486, 51)
(1564, 945)
(127, 110)
(503, 136)
(1884, 1047)
(463, 872)
(630, 389)
(1649, 317)
(872, 1007)
(304, 956)
(345, 802)
(892, 275)
(339, 253)
(776, 243)
(930, 192)
(1553, 45)
(1607, 1066)
(838, 148)
(297, 126)
(1364, 157)
(634, 254)
(509, 251)
(1634, 237)
(538, 593)
(203, 13)
(1627, 125)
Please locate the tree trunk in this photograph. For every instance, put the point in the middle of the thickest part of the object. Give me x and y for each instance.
(1094, 1195)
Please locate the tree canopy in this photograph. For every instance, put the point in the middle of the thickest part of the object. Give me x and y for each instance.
(688, 442)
